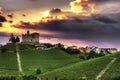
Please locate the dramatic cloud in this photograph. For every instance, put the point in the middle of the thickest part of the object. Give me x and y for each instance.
(85, 7)
(2, 19)
(105, 19)
(86, 29)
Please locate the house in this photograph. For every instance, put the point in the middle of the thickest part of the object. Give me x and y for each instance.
(110, 50)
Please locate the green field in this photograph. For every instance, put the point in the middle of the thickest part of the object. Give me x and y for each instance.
(114, 70)
(46, 60)
(31, 59)
(8, 61)
(89, 69)
(55, 62)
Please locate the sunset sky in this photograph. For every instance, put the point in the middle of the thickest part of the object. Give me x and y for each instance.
(71, 22)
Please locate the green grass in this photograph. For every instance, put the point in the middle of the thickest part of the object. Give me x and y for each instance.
(46, 60)
(90, 69)
(9, 47)
(114, 70)
(8, 64)
(56, 63)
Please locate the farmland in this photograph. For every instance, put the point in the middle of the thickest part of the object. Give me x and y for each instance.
(89, 69)
(55, 62)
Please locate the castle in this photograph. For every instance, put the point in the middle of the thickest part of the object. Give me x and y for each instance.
(32, 38)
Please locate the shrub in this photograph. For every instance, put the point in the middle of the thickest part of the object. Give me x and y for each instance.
(38, 71)
(30, 78)
(3, 50)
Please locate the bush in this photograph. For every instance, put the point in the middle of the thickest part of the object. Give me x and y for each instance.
(8, 78)
(38, 71)
(30, 78)
(72, 51)
(3, 50)
(116, 78)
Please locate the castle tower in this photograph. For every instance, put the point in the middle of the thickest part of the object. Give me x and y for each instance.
(28, 32)
(30, 38)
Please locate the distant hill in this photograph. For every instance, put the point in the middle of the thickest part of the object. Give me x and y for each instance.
(89, 69)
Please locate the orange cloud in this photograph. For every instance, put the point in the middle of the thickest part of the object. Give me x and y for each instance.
(84, 7)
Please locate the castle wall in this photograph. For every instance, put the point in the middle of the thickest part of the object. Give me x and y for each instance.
(30, 38)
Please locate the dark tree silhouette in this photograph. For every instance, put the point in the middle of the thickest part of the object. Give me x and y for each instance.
(17, 39)
(13, 40)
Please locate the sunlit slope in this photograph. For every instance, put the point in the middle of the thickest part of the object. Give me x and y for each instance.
(46, 60)
(89, 69)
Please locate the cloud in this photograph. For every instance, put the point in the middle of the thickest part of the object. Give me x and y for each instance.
(10, 15)
(82, 6)
(83, 29)
(105, 19)
(1, 10)
(2, 19)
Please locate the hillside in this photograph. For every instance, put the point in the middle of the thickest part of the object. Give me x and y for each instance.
(31, 59)
(90, 69)
(46, 60)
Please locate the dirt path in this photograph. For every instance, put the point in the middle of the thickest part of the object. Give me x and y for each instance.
(18, 59)
(105, 69)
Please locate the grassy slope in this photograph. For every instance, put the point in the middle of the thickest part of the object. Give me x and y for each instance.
(32, 59)
(8, 61)
(46, 60)
(114, 70)
(89, 69)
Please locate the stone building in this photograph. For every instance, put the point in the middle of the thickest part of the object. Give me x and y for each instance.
(32, 38)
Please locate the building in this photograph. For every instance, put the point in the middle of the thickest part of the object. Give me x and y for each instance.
(32, 38)
(111, 50)
(88, 49)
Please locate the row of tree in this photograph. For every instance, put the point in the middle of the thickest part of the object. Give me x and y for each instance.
(14, 39)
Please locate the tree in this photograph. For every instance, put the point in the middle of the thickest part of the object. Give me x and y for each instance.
(38, 71)
(17, 39)
(13, 40)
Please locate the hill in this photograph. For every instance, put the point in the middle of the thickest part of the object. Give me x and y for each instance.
(32, 59)
(46, 60)
(89, 69)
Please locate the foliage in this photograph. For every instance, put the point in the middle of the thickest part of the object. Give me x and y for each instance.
(38, 71)
(91, 54)
(71, 50)
(31, 77)
(48, 45)
(3, 50)
(17, 39)
(8, 78)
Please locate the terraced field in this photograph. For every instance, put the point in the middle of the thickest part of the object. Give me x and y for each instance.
(89, 69)
(114, 70)
(56, 63)
(31, 59)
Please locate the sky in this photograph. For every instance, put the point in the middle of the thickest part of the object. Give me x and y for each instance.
(71, 22)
